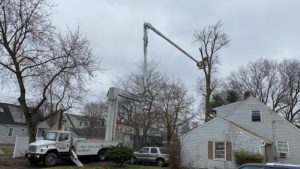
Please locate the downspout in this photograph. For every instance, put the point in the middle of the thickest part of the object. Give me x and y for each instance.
(274, 140)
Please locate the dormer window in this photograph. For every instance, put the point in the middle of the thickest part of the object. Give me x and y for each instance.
(256, 117)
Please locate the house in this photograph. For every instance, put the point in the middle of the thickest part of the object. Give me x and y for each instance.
(13, 124)
(246, 125)
(76, 121)
(80, 126)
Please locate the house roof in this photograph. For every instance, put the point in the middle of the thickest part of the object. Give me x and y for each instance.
(234, 125)
(13, 115)
(252, 133)
(79, 117)
(225, 109)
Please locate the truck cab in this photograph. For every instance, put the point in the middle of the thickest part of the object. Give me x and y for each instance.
(55, 145)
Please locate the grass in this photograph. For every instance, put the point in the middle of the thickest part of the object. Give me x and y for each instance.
(7, 148)
(107, 165)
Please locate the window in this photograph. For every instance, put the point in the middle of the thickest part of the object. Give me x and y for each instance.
(51, 136)
(85, 123)
(153, 150)
(63, 137)
(256, 116)
(80, 123)
(282, 147)
(1, 110)
(220, 150)
(10, 132)
(23, 130)
(144, 150)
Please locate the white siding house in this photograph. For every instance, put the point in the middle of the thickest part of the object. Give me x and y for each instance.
(247, 125)
(12, 124)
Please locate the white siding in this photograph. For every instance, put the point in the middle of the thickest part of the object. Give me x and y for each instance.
(286, 132)
(242, 116)
(194, 144)
(4, 138)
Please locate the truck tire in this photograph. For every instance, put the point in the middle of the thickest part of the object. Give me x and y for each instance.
(160, 162)
(51, 160)
(34, 161)
(101, 156)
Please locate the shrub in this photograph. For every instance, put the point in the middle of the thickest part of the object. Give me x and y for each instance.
(120, 154)
(243, 156)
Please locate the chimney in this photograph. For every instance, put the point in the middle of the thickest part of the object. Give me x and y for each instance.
(247, 94)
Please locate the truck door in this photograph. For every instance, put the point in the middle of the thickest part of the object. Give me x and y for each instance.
(63, 144)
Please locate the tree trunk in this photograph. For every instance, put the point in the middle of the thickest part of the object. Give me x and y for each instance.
(60, 114)
(207, 100)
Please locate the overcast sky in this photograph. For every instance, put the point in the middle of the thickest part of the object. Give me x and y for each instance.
(257, 28)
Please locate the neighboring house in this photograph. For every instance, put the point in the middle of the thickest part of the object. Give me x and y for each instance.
(80, 126)
(75, 121)
(13, 124)
(247, 125)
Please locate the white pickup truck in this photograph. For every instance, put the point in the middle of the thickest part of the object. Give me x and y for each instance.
(60, 144)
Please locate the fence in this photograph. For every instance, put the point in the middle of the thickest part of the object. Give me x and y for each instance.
(21, 146)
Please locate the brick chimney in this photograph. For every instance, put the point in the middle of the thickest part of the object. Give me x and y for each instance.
(247, 94)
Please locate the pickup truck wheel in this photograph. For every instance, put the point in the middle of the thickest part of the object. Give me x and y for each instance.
(33, 161)
(101, 156)
(51, 160)
(160, 162)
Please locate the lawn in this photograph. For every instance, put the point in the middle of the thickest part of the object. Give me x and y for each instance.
(7, 148)
(106, 165)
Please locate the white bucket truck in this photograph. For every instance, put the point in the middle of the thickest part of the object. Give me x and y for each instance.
(61, 144)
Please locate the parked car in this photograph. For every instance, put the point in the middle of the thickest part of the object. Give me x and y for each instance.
(269, 166)
(156, 155)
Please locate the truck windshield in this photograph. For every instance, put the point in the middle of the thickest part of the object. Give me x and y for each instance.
(51, 136)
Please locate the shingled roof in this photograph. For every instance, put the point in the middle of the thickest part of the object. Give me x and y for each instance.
(9, 115)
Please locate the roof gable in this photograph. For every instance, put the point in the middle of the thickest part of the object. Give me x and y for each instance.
(231, 109)
(212, 122)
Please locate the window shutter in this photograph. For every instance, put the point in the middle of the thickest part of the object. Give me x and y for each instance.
(228, 151)
(210, 150)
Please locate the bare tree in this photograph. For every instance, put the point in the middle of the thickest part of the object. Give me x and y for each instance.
(262, 79)
(96, 111)
(175, 107)
(276, 85)
(211, 40)
(141, 117)
(290, 80)
(47, 66)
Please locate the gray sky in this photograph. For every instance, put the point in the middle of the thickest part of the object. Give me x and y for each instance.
(257, 28)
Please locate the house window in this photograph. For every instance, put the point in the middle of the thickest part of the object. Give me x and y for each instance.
(80, 124)
(219, 150)
(23, 130)
(85, 123)
(256, 116)
(10, 132)
(282, 147)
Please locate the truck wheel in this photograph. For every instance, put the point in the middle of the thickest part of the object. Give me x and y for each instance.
(50, 160)
(101, 156)
(33, 161)
(160, 162)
